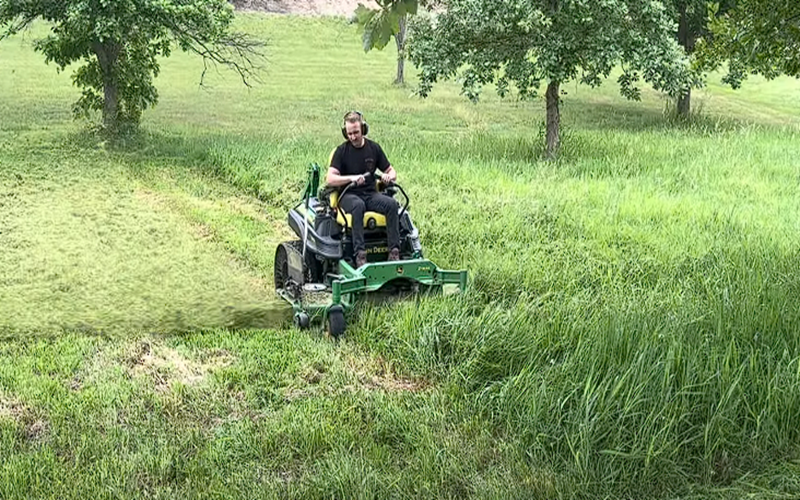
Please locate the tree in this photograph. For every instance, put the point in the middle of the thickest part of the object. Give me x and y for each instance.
(757, 36)
(120, 41)
(528, 41)
(380, 25)
(692, 16)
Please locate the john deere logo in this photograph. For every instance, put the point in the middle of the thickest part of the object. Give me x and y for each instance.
(399, 269)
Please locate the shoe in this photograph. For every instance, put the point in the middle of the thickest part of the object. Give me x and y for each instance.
(361, 258)
(394, 254)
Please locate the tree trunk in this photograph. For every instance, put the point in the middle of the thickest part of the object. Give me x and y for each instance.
(686, 39)
(553, 120)
(107, 55)
(684, 102)
(110, 104)
(400, 39)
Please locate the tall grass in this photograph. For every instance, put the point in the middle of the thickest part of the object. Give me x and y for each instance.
(635, 326)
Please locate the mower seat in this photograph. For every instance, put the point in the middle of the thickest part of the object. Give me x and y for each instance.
(379, 218)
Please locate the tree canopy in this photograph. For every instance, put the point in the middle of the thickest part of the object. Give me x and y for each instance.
(120, 41)
(757, 36)
(526, 42)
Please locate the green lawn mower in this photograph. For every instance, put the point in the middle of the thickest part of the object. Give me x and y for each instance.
(316, 273)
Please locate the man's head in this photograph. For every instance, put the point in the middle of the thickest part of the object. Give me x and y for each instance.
(355, 128)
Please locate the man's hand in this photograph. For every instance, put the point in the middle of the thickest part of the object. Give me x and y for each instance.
(388, 178)
(360, 179)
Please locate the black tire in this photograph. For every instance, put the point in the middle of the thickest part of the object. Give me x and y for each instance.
(312, 268)
(301, 320)
(336, 323)
(281, 271)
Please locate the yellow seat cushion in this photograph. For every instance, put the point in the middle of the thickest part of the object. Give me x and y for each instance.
(380, 219)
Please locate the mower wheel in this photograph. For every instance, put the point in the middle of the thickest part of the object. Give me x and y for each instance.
(336, 323)
(312, 268)
(301, 320)
(281, 271)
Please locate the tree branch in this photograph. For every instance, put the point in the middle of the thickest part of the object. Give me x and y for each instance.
(237, 51)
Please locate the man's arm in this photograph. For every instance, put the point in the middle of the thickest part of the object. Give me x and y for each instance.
(389, 174)
(336, 179)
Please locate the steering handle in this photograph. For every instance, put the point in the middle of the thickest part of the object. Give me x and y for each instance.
(341, 195)
(394, 185)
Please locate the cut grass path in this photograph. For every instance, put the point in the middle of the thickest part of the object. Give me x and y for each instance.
(109, 249)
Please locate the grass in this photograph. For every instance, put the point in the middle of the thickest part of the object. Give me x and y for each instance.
(629, 331)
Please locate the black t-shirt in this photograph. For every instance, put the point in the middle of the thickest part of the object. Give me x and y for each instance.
(350, 160)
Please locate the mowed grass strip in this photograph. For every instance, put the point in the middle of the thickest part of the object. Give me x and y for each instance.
(86, 247)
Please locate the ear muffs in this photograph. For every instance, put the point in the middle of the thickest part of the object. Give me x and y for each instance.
(364, 130)
(364, 125)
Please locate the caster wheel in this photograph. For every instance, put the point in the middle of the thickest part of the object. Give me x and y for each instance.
(336, 323)
(301, 320)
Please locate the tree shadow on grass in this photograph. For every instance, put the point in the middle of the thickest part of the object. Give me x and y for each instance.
(271, 169)
(145, 148)
(256, 163)
(516, 149)
(633, 117)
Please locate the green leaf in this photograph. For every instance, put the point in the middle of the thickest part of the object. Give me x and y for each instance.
(364, 15)
(380, 25)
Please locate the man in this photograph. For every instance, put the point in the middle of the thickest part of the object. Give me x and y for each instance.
(356, 161)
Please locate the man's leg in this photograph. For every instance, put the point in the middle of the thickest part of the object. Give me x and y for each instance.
(389, 207)
(355, 206)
